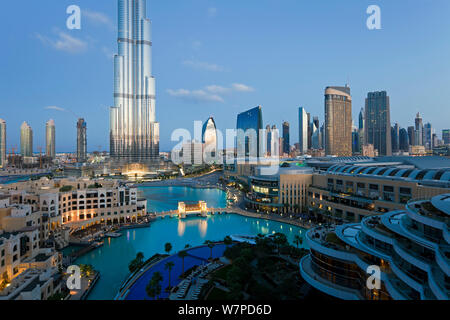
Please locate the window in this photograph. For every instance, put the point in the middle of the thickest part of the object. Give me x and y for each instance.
(388, 189)
(373, 187)
(404, 190)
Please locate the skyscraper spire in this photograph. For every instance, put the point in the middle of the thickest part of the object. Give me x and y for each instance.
(134, 135)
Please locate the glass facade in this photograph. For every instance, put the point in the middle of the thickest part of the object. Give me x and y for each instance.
(249, 128)
(50, 139)
(134, 132)
(26, 140)
(2, 143)
(378, 122)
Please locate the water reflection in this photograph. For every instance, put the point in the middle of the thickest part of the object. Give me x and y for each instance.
(203, 228)
(181, 228)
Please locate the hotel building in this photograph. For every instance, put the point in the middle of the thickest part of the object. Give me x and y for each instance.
(411, 248)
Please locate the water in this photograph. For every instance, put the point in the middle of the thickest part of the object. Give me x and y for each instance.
(112, 259)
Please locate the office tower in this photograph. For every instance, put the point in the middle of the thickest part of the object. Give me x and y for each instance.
(403, 140)
(338, 121)
(355, 142)
(2, 143)
(209, 136)
(50, 139)
(315, 138)
(286, 141)
(446, 136)
(428, 136)
(81, 141)
(395, 136)
(249, 127)
(418, 131)
(26, 140)
(134, 132)
(435, 140)
(193, 152)
(303, 129)
(378, 122)
(268, 140)
(412, 136)
(322, 136)
(308, 116)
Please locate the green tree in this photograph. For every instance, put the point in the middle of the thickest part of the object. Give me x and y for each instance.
(298, 240)
(182, 254)
(228, 241)
(168, 247)
(137, 262)
(169, 266)
(210, 245)
(280, 240)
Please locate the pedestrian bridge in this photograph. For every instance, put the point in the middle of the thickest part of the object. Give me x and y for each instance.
(197, 209)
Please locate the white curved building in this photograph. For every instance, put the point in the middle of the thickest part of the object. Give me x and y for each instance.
(209, 136)
(411, 247)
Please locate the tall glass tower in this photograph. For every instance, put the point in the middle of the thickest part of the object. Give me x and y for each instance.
(50, 139)
(26, 140)
(134, 132)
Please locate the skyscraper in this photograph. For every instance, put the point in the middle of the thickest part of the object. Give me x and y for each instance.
(315, 138)
(81, 141)
(50, 139)
(303, 129)
(286, 141)
(395, 136)
(418, 131)
(338, 121)
(446, 136)
(249, 127)
(2, 143)
(361, 126)
(268, 140)
(378, 122)
(309, 130)
(411, 136)
(428, 136)
(403, 140)
(134, 132)
(209, 136)
(26, 140)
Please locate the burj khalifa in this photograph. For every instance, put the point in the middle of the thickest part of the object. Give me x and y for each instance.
(134, 132)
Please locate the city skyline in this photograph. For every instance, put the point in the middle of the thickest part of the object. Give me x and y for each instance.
(251, 91)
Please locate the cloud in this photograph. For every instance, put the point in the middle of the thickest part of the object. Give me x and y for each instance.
(203, 65)
(242, 87)
(98, 18)
(211, 93)
(212, 12)
(64, 42)
(195, 95)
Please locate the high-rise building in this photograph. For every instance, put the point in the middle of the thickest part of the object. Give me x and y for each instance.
(268, 140)
(249, 127)
(395, 136)
(303, 129)
(418, 131)
(50, 139)
(209, 136)
(428, 136)
(315, 138)
(403, 140)
(338, 121)
(308, 116)
(81, 141)
(2, 143)
(26, 140)
(446, 136)
(355, 142)
(134, 132)
(286, 141)
(412, 136)
(378, 122)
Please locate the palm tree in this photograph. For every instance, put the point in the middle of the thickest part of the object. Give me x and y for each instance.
(187, 246)
(168, 247)
(298, 240)
(169, 266)
(210, 245)
(182, 254)
(228, 241)
(153, 288)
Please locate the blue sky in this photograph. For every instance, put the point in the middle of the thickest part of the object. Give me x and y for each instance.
(219, 58)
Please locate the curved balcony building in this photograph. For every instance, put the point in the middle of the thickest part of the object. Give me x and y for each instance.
(411, 248)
